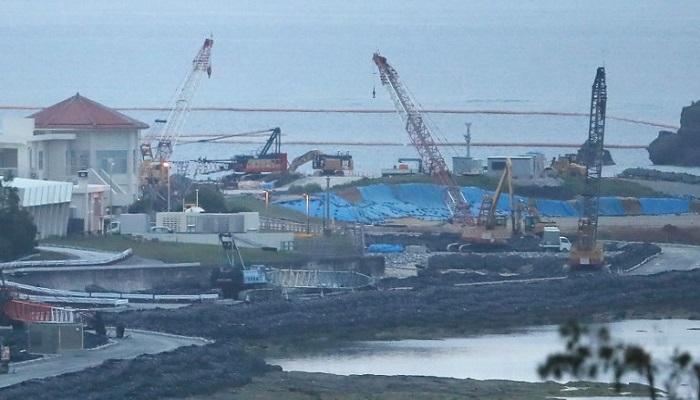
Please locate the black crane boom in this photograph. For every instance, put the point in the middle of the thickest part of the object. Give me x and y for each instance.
(587, 250)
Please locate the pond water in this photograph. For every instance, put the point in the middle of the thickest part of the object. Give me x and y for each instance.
(512, 356)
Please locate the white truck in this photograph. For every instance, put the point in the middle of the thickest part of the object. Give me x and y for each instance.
(553, 240)
(129, 224)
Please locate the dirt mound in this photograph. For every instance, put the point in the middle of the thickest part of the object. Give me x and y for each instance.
(351, 194)
(631, 205)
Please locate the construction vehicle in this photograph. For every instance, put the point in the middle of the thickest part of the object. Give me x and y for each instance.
(587, 251)
(265, 161)
(553, 240)
(567, 165)
(423, 140)
(533, 224)
(155, 165)
(324, 164)
(234, 276)
(406, 166)
(487, 230)
(268, 160)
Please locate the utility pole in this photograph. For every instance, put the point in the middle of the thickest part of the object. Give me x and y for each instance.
(327, 209)
(111, 205)
(468, 138)
(167, 172)
(308, 222)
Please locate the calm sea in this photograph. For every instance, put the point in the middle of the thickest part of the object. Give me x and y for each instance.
(496, 55)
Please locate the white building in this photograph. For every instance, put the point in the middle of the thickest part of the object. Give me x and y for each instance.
(48, 202)
(15, 135)
(88, 204)
(525, 167)
(81, 134)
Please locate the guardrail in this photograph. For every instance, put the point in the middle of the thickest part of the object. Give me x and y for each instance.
(113, 295)
(283, 225)
(110, 258)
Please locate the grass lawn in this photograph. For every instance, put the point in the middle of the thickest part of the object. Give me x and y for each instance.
(170, 251)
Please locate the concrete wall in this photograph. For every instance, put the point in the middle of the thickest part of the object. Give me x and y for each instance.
(119, 280)
(53, 338)
(50, 219)
(150, 278)
(278, 240)
(180, 221)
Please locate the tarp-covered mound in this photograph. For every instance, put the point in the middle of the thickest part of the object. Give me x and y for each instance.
(380, 203)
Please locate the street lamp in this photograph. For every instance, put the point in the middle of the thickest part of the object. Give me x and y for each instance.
(111, 171)
(166, 165)
(308, 222)
(267, 198)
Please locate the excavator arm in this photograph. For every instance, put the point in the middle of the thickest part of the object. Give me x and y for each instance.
(303, 159)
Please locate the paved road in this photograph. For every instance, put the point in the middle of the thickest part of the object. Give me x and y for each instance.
(138, 342)
(673, 257)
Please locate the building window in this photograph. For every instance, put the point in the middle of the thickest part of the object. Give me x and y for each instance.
(8, 158)
(498, 165)
(112, 161)
(79, 161)
(41, 159)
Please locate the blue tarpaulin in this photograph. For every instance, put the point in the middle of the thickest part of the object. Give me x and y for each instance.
(426, 201)
(384, 248)
(655, 206)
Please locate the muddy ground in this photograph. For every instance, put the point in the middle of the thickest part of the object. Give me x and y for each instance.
(446, 269)
(245, 333)
(315, 386)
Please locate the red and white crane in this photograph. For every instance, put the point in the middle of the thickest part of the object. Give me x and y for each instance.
(423, 140)
(156, 164)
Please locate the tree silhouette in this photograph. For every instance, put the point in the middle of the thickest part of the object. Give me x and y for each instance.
(588, 354)
(18, 236)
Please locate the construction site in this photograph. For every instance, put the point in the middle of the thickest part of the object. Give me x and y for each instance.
(166, 270)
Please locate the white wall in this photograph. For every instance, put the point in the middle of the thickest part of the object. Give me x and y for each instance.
(15, 134)
(91, 210)
(61, 159)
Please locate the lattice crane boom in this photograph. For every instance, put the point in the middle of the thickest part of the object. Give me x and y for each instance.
(180, 107)
(423, 140)
(596, 136)
(587, 250)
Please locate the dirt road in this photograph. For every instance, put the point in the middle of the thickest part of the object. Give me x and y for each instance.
(138, 342)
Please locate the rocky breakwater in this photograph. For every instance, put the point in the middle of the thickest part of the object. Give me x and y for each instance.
(681, 148)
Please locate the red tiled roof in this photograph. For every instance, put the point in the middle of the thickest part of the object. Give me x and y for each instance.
(79, 112)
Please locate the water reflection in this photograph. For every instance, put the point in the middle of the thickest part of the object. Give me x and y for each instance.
(513, 356)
